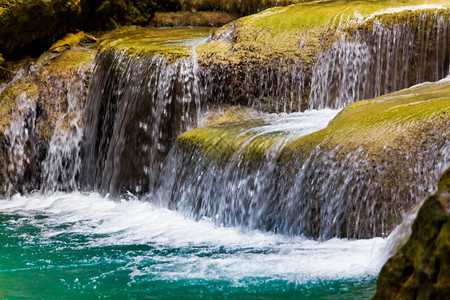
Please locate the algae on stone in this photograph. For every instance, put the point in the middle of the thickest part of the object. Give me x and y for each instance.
(444, 182)
(41, 94)
(373, 124)
(421, 267)
(280, 58)
(171, 42)
(384, 154)
(301, 30)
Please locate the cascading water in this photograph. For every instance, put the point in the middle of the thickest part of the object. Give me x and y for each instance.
(388, 59)
(44, 156)
(62, 165)
(329, 194)
(137, 107)
(122, 142)
(20, 137)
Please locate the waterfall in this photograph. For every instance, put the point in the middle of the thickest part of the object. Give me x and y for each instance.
(118, 135)
(388, 59)
(265, 87)
(137, 106)
(20, 137)
(328, 194)
(41, 155)
(62, 165)
(367, 59)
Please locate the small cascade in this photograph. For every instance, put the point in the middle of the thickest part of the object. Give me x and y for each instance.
(62, 165)
(137, 106)
(22, 149)
(327, 194)
(390, 58)
(233, 192)
(42, 139)
(267, 87)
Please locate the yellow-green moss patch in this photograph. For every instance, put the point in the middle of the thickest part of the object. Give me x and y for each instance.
(10, 97)
(197, 18)
(302, 30)
(67, 62)
(172, 42)
(377, 123)
(372, 124)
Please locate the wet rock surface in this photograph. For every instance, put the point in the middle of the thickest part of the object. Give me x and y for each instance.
(369, 190)
(41, 104)
(420, 269)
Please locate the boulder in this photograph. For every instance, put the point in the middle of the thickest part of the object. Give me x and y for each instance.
(420, 269)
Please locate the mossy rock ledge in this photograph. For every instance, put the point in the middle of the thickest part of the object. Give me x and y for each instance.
(420, 269)
(273, 57)
(384, 155)
(43, 95)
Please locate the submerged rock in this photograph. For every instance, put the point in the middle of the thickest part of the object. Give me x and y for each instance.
(420, 269)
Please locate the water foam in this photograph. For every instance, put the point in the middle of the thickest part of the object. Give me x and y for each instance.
(196, 249)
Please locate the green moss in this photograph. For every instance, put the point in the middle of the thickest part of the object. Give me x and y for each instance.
(220, 142)
(444, 182)
(66, 63)
(147, 41)
(301, 30)
(9, 98)
(421, 268)
(373, 124)
(378, 122)
(187, 18)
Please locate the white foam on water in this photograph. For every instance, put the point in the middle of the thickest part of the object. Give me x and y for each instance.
(204, 250)
(405, 8)
(299, 123)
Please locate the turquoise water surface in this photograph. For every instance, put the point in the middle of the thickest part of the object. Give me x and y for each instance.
(86, 246)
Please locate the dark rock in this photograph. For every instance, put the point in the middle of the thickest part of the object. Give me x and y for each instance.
(34, 25)
(421, 268)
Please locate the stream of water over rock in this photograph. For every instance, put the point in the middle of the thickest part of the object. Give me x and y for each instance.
(123, 212)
